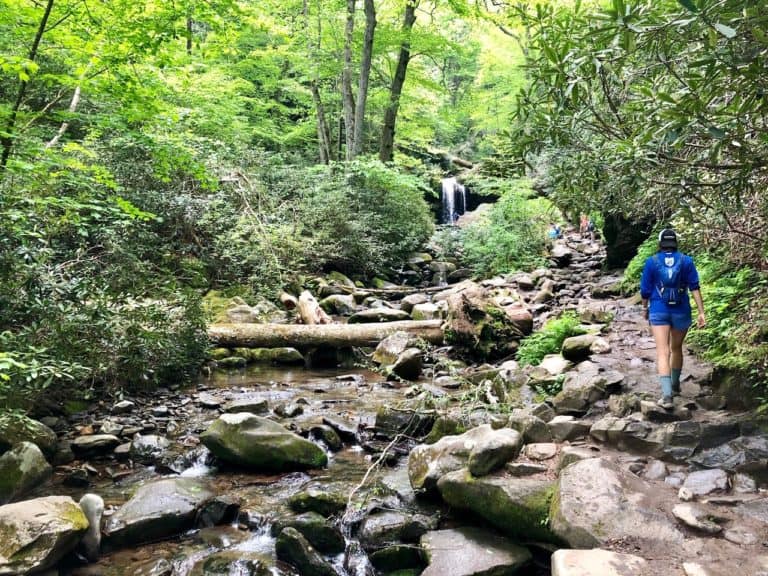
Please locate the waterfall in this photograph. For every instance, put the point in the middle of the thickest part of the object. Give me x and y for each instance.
(454, 200)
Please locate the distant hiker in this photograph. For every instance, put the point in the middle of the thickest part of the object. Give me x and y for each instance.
(554, 232)
(667, 277)
(591, 228)
(583, 223)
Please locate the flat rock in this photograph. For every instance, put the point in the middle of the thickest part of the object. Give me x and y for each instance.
(596, 562)
(596, 503)
(94, 445)
(541, 450)
(471, 552)
(158, 510)
(252, 405)
(38, 533)
(378, 315)
(207, 400)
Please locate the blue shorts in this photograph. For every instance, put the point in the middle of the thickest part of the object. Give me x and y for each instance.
(677, 320)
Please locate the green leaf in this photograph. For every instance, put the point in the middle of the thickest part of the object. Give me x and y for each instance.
(689, 5)
(716, 132)
(726, 31)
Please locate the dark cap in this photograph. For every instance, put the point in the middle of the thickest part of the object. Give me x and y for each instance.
(667, 239)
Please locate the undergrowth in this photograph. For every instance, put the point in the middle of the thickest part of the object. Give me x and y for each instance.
(548, 339)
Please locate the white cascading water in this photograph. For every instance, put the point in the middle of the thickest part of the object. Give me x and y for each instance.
(454, 200)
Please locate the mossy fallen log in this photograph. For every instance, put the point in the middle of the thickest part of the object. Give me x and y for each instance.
(304, 336)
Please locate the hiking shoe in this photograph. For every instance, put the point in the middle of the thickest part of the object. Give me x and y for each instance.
(666, 402)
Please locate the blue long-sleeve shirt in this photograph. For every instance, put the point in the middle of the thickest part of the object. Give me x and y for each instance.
(650, 282)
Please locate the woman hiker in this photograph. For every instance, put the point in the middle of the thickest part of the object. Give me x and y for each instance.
(667, 277)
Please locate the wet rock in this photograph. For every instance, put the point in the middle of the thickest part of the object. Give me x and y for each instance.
(577, 348)
(94, 445)
(412, 300)
(289, 410)
(324, 498)
(378, 315)
(695, 517)
(321, 533)
(160, 411)
(293, 548)
(409, 364)
(256, 443)
(519, 507)
(21, 469)
(284, 356)
(15, 428)
(123, 407)
(596, 503)
(487, 448)
(426, 311)
(471, 551)
(252, 405)
(399, 557)
(207, 400)
(596, 562)
(392, 421)
(122, 451)
(38, 533)
(231, 562)
(705, 482)
(327, 436)
(218, 510)
(346, 429)
(232, 362)
(384, 528)
(520, 469)
(157, 510)
(565, 428)
(63, 454)
(339, 304)
(741, 454)
(111, 427)
(391, 347)
(148, 448)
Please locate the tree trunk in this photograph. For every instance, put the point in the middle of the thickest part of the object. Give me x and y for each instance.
(189, 35)
(323, 133)
(332, 335)
(310, 311)
(6, 142)
(398, 80)
(347, 98)
(365, 73)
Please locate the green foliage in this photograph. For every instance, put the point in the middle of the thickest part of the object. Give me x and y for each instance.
(630, 283)
(548, 339)
(511, 235)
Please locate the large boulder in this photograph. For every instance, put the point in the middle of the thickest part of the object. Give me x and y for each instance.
(482, 448)
(21, 469)
(158, 510)
(596, 503)
(596, 562)
(256, 443)
(409, 364)
(471, 551)
(293, 548)
(37, 533)
(391, 347)
(15, 428)
(584, 386)
(319, 531)
(339, 304)
(382, 528)
(578, 348)
(94, 445)
(485, 322)
(518, 507)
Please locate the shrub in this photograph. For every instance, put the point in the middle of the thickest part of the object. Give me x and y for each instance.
(511, 235)
(548, 339)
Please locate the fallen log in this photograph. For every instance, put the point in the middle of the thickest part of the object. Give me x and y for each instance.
(313, 335)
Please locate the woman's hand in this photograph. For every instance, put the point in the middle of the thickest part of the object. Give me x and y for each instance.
(701, 321)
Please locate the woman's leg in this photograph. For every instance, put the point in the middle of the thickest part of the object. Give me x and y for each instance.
(661, 334)
(676, 338)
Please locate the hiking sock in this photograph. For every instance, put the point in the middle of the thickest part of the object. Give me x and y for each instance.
(666, 385)
(676, 380)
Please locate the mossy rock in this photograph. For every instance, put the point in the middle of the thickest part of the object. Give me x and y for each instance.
(517, 507)
(15, 428)
(232, 362)
(219, 353)
(282, 356)
(320, 532)
(444, 426)
(325, 498)
(399, 558)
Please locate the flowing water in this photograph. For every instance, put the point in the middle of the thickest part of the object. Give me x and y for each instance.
(453, 200)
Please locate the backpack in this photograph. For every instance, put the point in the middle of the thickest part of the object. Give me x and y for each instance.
(670, 289)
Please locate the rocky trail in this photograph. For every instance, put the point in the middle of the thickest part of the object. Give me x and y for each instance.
(429, 465)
